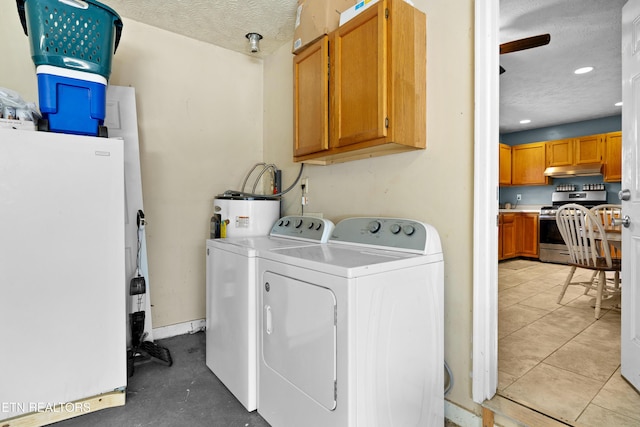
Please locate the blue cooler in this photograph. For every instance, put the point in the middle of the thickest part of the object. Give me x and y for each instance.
(72, 43)
(73, 101)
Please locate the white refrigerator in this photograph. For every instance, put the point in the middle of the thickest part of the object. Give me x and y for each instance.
(62, 270)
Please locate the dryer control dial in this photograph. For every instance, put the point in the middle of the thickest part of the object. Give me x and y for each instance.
(395, 228)
(298, 223)
(409, 230)
(374, 227)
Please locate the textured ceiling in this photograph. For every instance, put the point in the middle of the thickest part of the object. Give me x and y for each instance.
(539, 83)
(222, 23)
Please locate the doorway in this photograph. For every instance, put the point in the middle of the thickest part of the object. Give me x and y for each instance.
(486, 272)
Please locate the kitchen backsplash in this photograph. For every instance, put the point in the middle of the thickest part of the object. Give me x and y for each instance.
(541, 194)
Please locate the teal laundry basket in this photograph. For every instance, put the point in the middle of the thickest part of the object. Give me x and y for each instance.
(81, 35)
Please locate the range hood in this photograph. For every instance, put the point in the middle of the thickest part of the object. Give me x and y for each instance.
(589, 169)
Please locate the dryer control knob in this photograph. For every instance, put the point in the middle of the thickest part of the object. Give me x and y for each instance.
(286, 222)
(319, 226)
(298, 223)
(409, 230)
(311, 224)
(374, 227)
(395, 228)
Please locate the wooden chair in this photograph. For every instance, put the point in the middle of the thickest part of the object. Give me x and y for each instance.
(605, 214)
(588, 248)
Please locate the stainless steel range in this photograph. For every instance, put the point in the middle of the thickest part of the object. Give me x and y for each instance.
(552, 246)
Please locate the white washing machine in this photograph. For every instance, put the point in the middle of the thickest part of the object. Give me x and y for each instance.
(231, 295)
(351, 332)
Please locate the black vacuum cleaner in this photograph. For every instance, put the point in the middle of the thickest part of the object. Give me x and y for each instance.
(142, 351)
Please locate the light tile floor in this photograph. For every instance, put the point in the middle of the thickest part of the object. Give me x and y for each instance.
(556, 358)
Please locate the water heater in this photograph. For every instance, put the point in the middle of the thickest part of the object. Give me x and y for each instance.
(247, 216)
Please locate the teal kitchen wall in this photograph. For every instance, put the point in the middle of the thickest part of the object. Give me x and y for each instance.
(541, 194)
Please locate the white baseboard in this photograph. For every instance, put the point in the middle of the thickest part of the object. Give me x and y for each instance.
(461, 416)
(169, 331)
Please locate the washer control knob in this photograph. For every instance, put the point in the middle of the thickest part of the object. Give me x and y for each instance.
(374, 227)
(319, 226)
(280, 223)
(311, 224)
(286, 222)
(409, 230)
(298, 223)
(395, 228)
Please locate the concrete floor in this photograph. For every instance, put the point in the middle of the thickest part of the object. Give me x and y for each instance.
(185, 394)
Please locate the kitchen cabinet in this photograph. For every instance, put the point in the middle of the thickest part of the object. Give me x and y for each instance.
(528, 162)
(360, 91)
(518, 235)
(508, 236)
(505, 165)
(588, 149)
(575, 151)
(527, 239)
(613, 157)
(560, 152)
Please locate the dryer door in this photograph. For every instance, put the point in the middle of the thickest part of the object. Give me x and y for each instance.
(299, 335)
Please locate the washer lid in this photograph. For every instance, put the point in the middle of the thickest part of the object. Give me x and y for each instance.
(252, 245)
(348, 261)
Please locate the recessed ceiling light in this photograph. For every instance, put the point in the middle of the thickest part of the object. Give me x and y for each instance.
(583, 70)
(618, 104)
(525, 121)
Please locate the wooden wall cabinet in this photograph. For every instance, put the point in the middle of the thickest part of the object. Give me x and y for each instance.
(528, 162)
(311, 99)
(588, 149)
(361, 90)
(575, 151)
(613, 157)
(504, 177)
(560, 152)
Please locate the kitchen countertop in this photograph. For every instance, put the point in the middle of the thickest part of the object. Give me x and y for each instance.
(522, 208)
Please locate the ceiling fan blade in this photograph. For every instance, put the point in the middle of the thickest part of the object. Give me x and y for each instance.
(527, 43)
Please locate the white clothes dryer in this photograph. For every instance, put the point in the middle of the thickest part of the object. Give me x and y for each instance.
(351, 332)
(231, 295)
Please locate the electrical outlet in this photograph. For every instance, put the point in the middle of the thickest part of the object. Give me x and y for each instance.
(518, 197)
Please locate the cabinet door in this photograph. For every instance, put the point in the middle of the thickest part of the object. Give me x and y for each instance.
(508, 235)
(613, 157)
(588, 149)
(528, 235)
(311, 99)
(528, 162)
(505, 164)
(359, 67)
(560, 152)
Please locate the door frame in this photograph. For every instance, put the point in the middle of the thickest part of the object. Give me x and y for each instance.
(485, 204)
